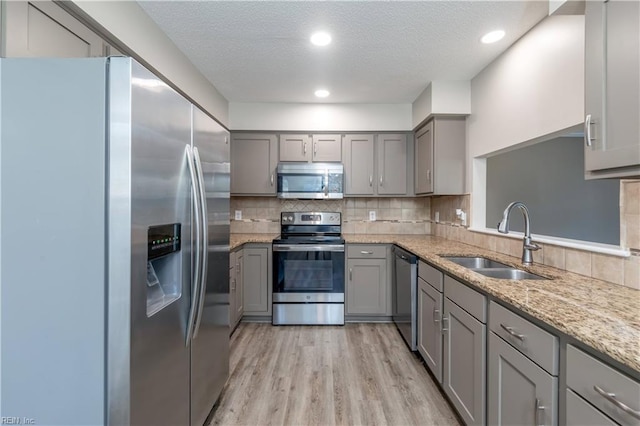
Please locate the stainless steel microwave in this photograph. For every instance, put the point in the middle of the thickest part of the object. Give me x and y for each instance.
(319, 181)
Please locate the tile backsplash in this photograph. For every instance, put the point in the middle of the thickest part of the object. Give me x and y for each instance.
(393, 215)
(418, 216)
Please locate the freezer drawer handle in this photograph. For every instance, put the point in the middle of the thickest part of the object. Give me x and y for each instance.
(197, 267)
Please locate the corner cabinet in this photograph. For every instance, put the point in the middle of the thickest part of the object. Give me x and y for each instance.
(307, 148)
(612, 89)
(254, 157)
(440, 157)
(377, 165)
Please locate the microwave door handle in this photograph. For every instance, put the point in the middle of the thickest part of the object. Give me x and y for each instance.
(326, 183)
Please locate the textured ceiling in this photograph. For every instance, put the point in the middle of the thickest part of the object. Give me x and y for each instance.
(382, 52)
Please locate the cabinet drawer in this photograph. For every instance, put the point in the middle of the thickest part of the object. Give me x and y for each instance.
(585, 373)
(467, 298)
(363, 251)
(537, 344)
(430, 275)
(581, 413)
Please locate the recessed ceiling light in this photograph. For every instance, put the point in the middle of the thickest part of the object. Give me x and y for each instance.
(492, 37)
(322, 93)
(320, 38)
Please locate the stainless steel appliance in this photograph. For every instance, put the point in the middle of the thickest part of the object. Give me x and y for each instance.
(114, 213)
(405, 295)
(308, 269)
(310, 180)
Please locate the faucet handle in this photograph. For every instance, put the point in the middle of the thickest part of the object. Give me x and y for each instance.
(532, 246)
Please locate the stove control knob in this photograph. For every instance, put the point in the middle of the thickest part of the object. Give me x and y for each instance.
(290, 218)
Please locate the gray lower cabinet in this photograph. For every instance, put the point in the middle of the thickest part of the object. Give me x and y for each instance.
(580, 413)
(612, 84)
(430, 327)
(254, 157)
(464, 353)
(44, 29)
(256, 280)
(368, 289)
(236, 302)
(604, 389)
(520, 392)
(440, 157)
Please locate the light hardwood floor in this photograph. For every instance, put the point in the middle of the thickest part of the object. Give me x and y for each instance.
(359, 374)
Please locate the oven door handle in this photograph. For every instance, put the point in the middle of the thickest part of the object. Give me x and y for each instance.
(305, 247)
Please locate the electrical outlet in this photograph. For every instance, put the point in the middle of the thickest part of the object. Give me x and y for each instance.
(372, 215)
(238, 215)
(437, 216)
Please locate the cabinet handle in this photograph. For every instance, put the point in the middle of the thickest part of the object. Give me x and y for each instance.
(611, 397)
(350, 274)
(436, 315)
(513, 333)
(315, 148)
(370, 180)
(304, 144)
(429, 175)
(587, 130)
(271, 179)
(380, 180)
(539, 410)
(366, 252)
(445, 320)
(233, 285)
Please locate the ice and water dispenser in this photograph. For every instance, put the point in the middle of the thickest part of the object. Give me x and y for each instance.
(164, 269)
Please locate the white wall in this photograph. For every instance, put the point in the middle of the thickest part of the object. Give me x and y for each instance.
(319, 117)
(132, 27)
(442, 97)
(534, 89)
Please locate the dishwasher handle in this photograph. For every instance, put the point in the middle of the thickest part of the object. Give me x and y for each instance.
(405, 256)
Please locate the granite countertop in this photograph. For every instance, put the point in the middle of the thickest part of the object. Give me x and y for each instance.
(601, 315)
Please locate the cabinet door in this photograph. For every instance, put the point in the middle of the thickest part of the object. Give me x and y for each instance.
(612, 84)
(429, 330)
(327, 148)
(424, 160)
(232, 291)
(520, 392)
(367, 287)
(464, 363)
(239, 286)
(295, 147)
(358, 157)
(392, 164)
(255, 283)
(253, 164)
(42, 28)
(581, 413)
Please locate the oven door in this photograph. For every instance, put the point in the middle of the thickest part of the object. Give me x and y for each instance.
(308, 273)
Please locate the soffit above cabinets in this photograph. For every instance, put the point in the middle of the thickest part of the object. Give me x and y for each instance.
(382, 52)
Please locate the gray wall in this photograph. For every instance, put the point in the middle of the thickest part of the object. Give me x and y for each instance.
(549, 178)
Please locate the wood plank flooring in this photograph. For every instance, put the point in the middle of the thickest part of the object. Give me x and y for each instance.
(359, 374)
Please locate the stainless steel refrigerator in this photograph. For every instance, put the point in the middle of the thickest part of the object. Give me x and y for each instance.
(114, 252)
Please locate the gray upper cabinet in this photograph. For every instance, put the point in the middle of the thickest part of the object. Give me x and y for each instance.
(316, 148)
(327, 148)
(254, 157)
(43, 29)
(612, 84)
(440, 157)
(392, 164)
(257, 280)
(358, 157)
(377, 165)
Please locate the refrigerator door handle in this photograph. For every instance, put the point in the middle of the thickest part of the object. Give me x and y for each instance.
(205, 241)
(195, 192)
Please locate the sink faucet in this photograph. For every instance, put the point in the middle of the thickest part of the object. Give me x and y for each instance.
(528, 246)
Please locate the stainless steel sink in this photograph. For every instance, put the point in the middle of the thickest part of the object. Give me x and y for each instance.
(509, 274)
(475, 262)
(493, 269)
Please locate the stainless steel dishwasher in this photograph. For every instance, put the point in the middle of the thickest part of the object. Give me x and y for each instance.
(405, 295)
